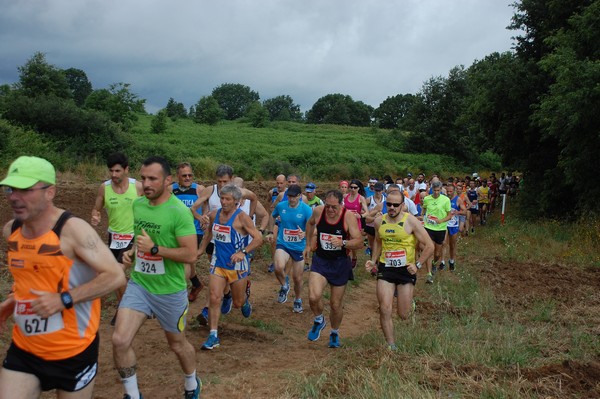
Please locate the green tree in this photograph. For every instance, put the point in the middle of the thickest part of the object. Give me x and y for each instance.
(258, 115)
(234, 99)
(339, 109)
(393, 110)
(175, 110)
(37, 77)
(79, 85)
(118, 102)
(208, 111)
(159, 122)
(282, 108)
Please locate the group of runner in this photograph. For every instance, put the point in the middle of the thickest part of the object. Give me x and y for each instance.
(158, 229)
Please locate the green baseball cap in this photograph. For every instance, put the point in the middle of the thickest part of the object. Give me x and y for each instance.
(26, 171)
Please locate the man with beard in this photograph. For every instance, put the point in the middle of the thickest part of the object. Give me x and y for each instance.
(165, 242)
(116, 195)
(393, 259)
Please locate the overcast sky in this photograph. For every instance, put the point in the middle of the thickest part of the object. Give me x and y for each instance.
(368, 49)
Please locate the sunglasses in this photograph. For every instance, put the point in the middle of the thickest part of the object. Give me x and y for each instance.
(354, 187)
(331, 206)
(190, 175)
(393, 204)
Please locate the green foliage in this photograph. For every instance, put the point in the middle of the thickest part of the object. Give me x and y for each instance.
(392, 112)
(282, 108)
(79, 133)
(339, 109)
(175, 110)
(118, 102)
(37, 78)
(258, 115)
(234, 99)
(208, 111)
(159, 122)
(79, 85)
(16, 141)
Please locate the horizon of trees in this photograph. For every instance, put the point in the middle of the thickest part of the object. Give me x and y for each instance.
(533, 108)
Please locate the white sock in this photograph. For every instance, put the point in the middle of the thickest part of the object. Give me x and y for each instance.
(319, 318)
(213, 332)
(131, 386)
(190, 382)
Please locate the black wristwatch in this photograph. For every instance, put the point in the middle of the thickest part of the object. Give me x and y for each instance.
(66, 299)
(154, 250)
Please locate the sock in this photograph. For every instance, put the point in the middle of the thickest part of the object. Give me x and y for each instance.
(190, 382)
(319, 318)
(131, 386)
(451, 260)
(334, 331)
(195, 281)
(213, 332)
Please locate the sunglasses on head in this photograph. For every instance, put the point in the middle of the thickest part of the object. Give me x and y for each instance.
(393, 204)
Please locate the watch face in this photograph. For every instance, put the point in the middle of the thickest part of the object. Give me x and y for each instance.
(154, 250)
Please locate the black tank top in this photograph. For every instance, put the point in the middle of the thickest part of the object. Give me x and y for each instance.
(325, 230)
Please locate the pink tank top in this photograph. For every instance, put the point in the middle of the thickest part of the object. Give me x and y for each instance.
(354, 207)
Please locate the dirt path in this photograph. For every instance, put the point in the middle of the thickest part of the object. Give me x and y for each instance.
(260, 355)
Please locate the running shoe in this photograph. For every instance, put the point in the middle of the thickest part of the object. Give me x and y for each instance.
(203, 317)
(227, 303)
(195, 394)
(429, 278)
(247, 308)
(271, 268)
(283, 294)
(211, 342)
(452, 266)
(315, 332)
(442, 265)
(298, 306)
(334, 340)
(194, 292)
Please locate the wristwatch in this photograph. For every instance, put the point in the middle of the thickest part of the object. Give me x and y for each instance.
(418, 265)
(344, 243)
(154, 250)
(66, 299)
(244, 251)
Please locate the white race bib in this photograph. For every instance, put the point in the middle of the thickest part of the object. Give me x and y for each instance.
(326, 243)
(395, 258)
(222, 233)
(149, 264)
(290, 235)
(120, 241)
(32, 324)
(432, 220)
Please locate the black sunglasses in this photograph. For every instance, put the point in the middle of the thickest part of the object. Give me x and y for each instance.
(393, 204)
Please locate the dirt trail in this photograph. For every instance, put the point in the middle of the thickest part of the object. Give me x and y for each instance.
(258, 355)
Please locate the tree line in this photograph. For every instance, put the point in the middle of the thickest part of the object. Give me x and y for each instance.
(533, 108)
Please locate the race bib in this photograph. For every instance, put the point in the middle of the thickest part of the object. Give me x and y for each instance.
(120, 241)
(453, 222)
(395, 258)
(32, 324)
(222, 233)
(290, 235)
(432, 220)
(149, 264)
(326, 243)
(474, 204)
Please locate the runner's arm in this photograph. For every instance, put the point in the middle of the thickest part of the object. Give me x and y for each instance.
(356, 240)
(98, 205)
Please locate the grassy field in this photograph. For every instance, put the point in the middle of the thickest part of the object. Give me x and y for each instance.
(326, 152)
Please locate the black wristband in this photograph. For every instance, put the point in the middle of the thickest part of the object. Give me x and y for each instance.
(66, 299)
